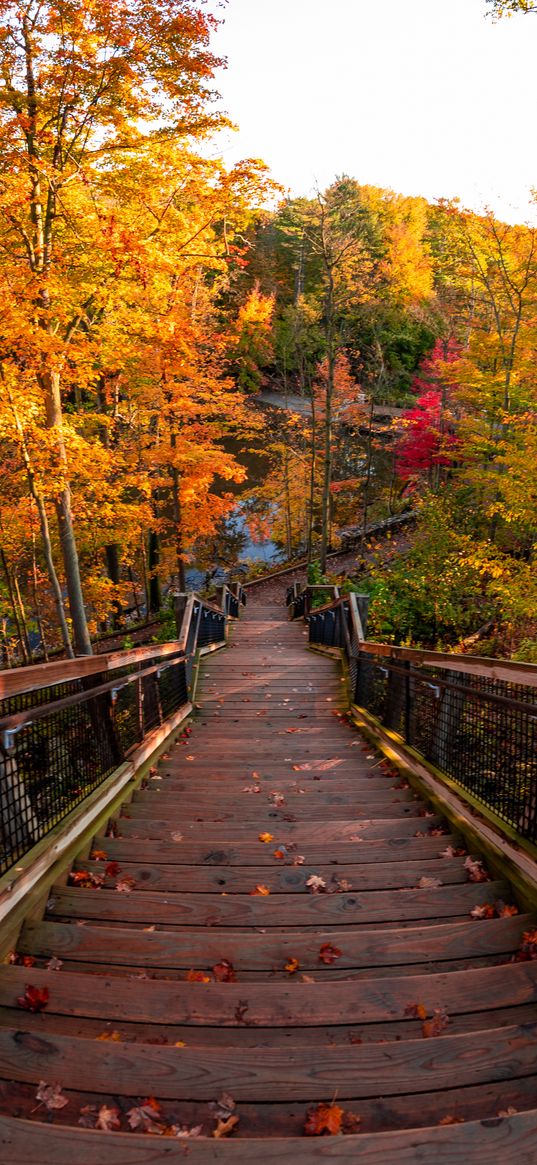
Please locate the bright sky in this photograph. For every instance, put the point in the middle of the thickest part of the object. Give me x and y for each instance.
(423, 96)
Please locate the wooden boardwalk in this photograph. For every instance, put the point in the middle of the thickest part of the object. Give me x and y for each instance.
(282, 926)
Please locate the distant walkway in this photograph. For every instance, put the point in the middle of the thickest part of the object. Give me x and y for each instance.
(301, 404)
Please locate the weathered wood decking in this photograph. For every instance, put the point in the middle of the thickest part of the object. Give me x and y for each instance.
(332, 988)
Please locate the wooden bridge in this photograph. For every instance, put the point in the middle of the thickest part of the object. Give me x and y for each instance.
(272, 948)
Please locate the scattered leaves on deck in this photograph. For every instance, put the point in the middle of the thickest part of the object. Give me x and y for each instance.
(86, 879)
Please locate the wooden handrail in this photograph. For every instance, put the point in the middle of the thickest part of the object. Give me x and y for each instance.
(506, 670)
(45, 675)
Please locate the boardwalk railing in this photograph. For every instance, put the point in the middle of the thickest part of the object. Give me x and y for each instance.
(66, 726)
(474, 719)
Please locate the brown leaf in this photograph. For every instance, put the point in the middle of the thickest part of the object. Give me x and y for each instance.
(21, 960)
(307, 979)
(260, 890)
(504, 910)
(54, 964)
(475, 870)
(429, 883)
(107, 1119)
(51, 1096)
(351, 1123)
(328, 953)
(147, 1116)
(451, 1120)
(125, 884)
(324, 1118)
(112, 869)
(224, 972)
(316, 884)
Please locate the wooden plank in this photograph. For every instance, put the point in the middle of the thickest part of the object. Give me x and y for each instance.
(275, 1004)
(251, 853)
(201, 1074)
(511, 1140)
(304, 834)
(288, 910)
(280, 879)
(258, 951)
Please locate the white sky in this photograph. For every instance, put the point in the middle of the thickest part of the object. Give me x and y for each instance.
(424, 96)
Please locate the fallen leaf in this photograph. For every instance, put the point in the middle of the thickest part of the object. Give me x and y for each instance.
(485, 911)
(451, 1120)
(435, 1026)
(21, 960)
(146, 1116)
(324, 1118)
(98, 855)
(298, 860)
(351, 1123)
(316, 884)
(86, 879)
(177, 836)
(107, 1119)
(475, 870)
(265, 838)
(279, 854)
(54, 964)
(510, 1111)
(504, 910)
(429, 883)
(114, 1037)
(51, 1096)
(451, 852)
(307, 979)
(112, 869)
(224, 972)
(292, 966)
(197, 977)
(260, 890)
(224, 1128)
(34, 998)
(328, 953)
(184, 1131)
(125, 884)
(416, 1011)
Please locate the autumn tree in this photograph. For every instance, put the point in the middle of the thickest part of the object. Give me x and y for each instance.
(79, 83)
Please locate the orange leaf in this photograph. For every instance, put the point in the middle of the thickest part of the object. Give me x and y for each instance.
(224, 972)
(265, 837)
(416, 1011)
(292, 966)
(325, 1118)
(198, 977)
(262, 890)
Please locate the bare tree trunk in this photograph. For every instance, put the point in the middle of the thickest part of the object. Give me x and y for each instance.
(24, 622)
(14, 608)
(178, 523)
(43, 526)
(37, 604)
(50, 382)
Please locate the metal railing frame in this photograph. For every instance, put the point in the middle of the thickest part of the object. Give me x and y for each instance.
(473, 719)
(66, 726)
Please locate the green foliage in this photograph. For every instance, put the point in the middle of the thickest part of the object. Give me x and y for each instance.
(435, 594)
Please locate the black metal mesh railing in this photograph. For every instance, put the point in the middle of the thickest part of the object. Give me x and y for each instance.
(59, 742)
(480, 731)
(476, 728)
